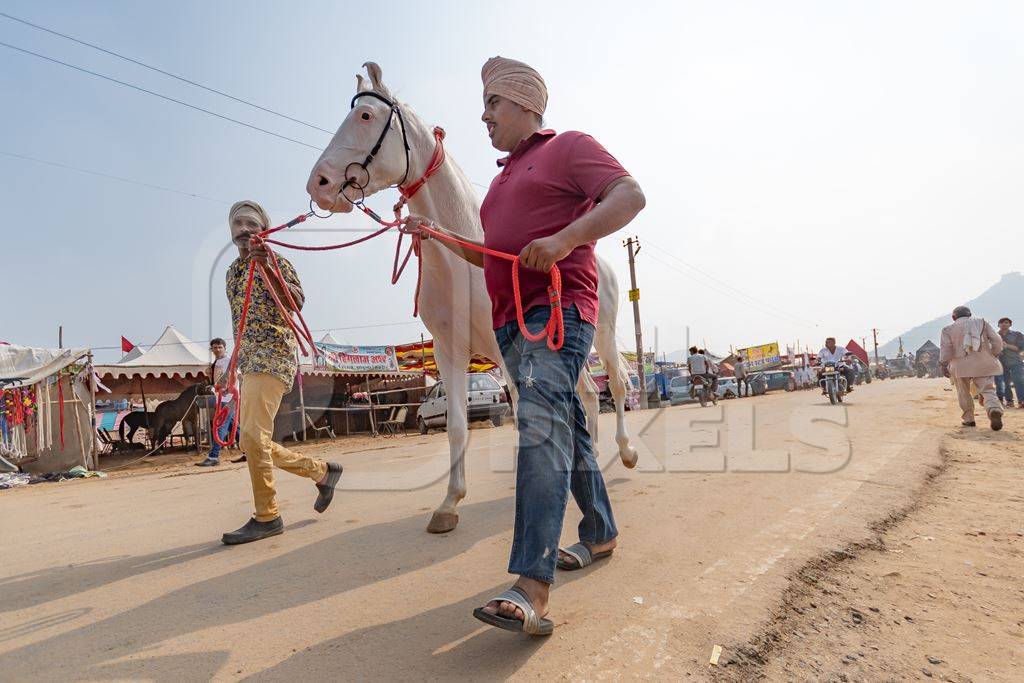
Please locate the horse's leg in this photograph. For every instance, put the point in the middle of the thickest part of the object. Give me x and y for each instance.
(618, 381)
(451, 365)
(589, 395)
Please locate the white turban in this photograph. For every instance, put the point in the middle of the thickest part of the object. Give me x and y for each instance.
(515, 81)
(249, 209)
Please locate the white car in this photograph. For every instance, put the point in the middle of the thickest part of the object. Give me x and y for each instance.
(485, 400)
(726, 385)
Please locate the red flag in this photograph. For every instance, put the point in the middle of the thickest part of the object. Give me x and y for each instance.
(126, 346)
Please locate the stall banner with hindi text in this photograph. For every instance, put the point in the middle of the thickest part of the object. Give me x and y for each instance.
(761, 357)
(341, 358)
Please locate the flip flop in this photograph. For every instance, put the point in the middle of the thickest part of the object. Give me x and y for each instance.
(582, 556)
(531, 625)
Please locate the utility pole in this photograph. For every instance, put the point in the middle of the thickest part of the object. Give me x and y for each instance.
(634, 296)
(874, 333)
(60, 336)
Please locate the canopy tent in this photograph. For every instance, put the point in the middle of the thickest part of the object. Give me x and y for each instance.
(927, 347)
(173, 354)
(169, 366)
(133, 354)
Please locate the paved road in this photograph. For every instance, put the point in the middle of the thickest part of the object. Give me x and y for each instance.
(125, 578)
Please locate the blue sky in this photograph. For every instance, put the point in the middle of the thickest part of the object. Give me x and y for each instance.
(766, 136)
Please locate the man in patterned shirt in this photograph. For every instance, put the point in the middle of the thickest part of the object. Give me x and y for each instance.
(267, 363)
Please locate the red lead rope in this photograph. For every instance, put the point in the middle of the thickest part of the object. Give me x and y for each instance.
(302, 334)
(554, 330)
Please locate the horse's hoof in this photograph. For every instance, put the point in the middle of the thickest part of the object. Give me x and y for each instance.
(443, 522)
(629, 457)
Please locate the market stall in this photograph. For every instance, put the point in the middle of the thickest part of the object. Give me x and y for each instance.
(46, 409)
(349, 389)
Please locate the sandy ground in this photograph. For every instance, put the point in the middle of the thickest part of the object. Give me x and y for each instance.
(723, 526)
(936, 592)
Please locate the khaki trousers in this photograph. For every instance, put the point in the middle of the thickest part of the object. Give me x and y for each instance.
(260, 398)
(986, 386)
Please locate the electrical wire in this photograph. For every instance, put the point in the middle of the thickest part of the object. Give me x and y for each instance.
(165, 73)
(725, 293)
(156, 94)
(114, 177)
(321, 329)
(725, 284)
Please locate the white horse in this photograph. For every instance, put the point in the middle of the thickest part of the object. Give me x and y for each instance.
(368, 154)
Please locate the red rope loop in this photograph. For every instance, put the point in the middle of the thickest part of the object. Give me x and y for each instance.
(554, 330)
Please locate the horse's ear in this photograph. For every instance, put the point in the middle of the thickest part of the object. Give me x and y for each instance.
(374, 71)
(362, 85)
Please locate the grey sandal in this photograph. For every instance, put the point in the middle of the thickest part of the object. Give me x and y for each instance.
(531, 624)
(582, 556)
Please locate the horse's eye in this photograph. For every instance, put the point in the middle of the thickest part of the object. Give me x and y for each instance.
(366, 116)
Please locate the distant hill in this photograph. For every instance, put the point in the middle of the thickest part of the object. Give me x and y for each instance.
(1005, 298)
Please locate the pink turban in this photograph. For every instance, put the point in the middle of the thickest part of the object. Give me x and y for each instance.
(515, 81)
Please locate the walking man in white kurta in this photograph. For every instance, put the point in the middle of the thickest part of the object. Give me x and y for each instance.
(970, 353)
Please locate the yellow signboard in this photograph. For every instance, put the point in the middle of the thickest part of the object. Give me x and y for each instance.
(634, 294)
(761, 357)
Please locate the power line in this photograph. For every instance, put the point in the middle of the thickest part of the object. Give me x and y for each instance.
(324, 329)
(185, 193)
(114, 177)
(165, 73)
(156, 94)
(171, 99)
(727, 294)
(725, 284)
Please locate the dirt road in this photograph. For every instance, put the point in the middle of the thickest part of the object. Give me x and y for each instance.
(125, 578)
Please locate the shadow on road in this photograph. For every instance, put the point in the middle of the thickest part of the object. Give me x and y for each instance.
(318, 570)
(442, 643)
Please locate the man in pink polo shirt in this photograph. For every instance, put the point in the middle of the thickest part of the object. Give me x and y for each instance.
(554, 197)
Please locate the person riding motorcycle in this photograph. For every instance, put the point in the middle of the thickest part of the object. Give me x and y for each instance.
(700, 366)
(713, 371)
(836, 354)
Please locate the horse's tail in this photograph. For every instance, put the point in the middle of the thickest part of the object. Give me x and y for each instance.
(120, 428)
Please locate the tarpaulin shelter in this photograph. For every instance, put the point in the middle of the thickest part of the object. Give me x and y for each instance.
(46, 408)
(857, 350)
(927, 347)
(419, 357)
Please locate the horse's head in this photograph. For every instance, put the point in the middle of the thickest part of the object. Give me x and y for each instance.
(198, 389)
(367, 154)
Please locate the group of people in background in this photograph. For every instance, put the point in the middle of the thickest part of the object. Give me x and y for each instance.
(978, 360)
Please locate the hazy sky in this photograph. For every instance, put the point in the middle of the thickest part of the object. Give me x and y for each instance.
(847, 165)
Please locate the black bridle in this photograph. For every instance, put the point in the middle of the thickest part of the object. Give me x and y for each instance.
(360, 178)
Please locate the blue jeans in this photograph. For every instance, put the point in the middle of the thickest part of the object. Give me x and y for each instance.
(1013, 374)
(555, 454)
(223, 433)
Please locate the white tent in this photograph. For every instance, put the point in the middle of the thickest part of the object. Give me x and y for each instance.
(330, 339)
(133, 354)
(172, 354)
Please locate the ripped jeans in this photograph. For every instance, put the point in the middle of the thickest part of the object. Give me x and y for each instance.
(555, 453)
